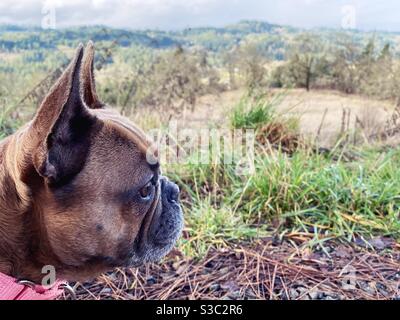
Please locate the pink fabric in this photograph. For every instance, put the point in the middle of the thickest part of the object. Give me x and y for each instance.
(10, 289)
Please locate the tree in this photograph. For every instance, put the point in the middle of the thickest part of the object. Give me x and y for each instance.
(344, 71)
(249, 63)
(307, 60)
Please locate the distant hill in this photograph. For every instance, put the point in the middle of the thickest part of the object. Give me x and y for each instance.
(271, 36)
(25, 38)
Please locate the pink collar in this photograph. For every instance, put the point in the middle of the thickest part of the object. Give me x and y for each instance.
(11, 289)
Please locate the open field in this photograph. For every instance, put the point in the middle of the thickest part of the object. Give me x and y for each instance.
(324, 109)
(317, 112)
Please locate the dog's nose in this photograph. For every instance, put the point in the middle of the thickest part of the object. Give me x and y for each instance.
(171, 190)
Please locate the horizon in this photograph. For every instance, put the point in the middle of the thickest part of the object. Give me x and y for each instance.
(29, 27)
(174, 15)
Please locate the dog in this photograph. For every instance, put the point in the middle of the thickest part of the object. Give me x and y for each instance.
(81, 187)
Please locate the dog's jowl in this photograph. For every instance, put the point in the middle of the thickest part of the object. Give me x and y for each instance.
(77, 189)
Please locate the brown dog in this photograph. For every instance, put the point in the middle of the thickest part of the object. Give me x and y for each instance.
(81, 188)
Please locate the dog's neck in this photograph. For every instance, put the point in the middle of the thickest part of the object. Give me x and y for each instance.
(11, 215)
(17, 215)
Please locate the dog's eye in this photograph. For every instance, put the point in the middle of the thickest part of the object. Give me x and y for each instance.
(146, 191)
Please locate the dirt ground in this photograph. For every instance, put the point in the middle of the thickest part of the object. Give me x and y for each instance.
(267, 269)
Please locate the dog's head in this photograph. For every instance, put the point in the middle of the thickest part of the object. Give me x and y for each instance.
(99, 198)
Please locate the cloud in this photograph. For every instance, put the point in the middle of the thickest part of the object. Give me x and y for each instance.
(120, 13)
(177, 14)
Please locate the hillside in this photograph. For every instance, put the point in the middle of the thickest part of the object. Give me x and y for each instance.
(276, 38)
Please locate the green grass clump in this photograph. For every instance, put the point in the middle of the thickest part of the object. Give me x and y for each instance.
(341, 199)
(306, 192)
(214, 226)
(253, 112)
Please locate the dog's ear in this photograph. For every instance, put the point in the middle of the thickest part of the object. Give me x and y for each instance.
(63, 125)
(88, 81)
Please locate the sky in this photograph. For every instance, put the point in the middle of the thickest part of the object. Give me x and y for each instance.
(178, 14)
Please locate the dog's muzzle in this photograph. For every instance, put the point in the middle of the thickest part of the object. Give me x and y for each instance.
(164, 228)
(167, 226)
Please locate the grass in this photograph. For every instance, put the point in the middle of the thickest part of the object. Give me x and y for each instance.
(212, 226)
(254, 112)
(307, 193)
(304, 192)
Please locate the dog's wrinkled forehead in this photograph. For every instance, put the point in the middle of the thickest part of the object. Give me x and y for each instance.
(128, 130)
